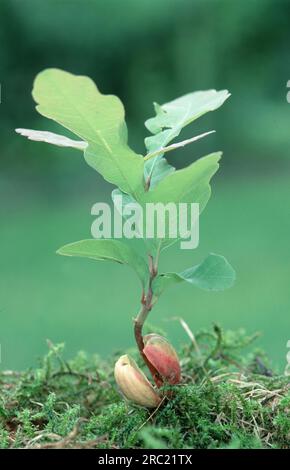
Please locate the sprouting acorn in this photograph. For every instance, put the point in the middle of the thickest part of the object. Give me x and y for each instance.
(134, 384)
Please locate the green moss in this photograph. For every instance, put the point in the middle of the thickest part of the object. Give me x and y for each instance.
(229, 398)
(119, 423)
(4, 438)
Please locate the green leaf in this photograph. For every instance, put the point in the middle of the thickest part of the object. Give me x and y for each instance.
(152, 244)
(161, 169)
(177, 145)
(191, 184)
(126, 199)
(173, 116)
(52, 138)
(76, 103)
(214, 273)
(156, 166)
(112, 250)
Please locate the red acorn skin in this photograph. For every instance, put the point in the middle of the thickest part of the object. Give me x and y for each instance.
(164, 358)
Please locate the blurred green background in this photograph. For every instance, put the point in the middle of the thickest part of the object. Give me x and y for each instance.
(144, 51)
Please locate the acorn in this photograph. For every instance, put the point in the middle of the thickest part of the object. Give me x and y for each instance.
(134, 384)
(164, 359)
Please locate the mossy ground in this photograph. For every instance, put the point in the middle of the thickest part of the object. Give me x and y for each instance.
(228, 398)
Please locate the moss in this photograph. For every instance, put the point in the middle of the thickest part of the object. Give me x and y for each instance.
(282, 422)
(4, 438)
(229, 398)
(119, 424)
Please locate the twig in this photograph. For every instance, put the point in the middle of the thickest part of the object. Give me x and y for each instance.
(189, 334)
(67, 441)
(217, 347)
(88, 377)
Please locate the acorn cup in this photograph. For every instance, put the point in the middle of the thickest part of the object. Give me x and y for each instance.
(164, 359)
(134, 384)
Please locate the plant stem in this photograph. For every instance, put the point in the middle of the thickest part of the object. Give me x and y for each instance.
(147, 304)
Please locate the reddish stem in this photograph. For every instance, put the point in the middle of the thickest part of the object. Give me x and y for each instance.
(146, 301)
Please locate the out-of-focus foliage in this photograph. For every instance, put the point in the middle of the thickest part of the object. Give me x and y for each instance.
(154, 50)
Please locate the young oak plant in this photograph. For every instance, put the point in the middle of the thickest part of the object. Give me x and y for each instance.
(98, 123)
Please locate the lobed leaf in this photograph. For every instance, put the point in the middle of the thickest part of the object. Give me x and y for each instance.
(191, 184)
(172, 117)
(76, 103)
